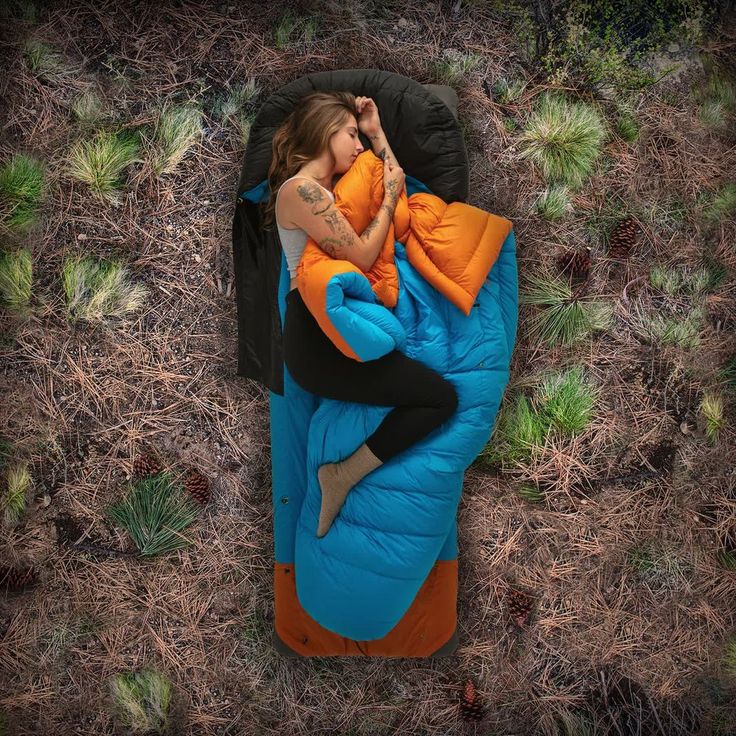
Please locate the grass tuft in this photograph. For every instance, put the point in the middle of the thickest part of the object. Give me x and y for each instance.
(16, 277)
(88, 109)
(18, 482)
(730, 658)
(696, 281)
(142, 700)
(531, 493)
(44, 62)
(727, 373)
(567, 401)
(294, 30)
(453, 68)
(99, 163)
(505, 92)
(176, 131)
(563, 319)
(668, 329)
(21, 188)
(563, 139)
(627, 127)
(95, 289)
(228, 107)
(564, 402)
(711, 407)
(718, 102)
(154, 513)
(722, 204)
(554, 202)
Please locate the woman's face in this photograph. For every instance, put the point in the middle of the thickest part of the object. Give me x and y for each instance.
(346, 145)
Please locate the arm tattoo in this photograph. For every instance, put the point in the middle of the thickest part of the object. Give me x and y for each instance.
(314, 195)
(374, 223)
(392, 192)
(310, 193)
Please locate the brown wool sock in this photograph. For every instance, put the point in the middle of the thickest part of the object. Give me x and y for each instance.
(336, 480)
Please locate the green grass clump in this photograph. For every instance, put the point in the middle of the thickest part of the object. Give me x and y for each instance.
(88, 109)
(177, 130)
(142, 701)
(567, 401)
(519, 431)
(727, 559)
(293, 30)
(100, 162)
(154, 513)
(563, 319)
(554, 202)
(15, 497)
(563, 139)
(669, 280)
(44, 62)
(16, 276)
(452, 69)
(658, 566)
(21, 188)
(722, 204)
(711, 407)
(727, 374)
(97, 288)
(626, 126)
(563, 403)
(730, 657)
(505, 92)
(232, 108)
(531, 493)
(684, 333)
(696, 280)
(717, 102)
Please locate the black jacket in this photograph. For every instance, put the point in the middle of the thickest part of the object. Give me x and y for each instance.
(420, 124)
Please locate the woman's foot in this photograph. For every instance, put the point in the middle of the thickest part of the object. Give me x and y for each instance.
(337, 479)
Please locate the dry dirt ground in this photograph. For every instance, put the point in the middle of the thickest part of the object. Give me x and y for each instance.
(79, 401)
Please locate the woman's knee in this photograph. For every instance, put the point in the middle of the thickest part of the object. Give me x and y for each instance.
(446, 400)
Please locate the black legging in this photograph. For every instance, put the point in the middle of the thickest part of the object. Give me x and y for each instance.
(423, 399)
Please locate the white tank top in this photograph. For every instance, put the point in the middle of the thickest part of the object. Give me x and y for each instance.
(294, 239)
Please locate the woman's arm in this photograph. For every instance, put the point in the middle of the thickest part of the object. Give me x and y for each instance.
(374, 235)
(369, 124)
(380, 146)
(313, 211)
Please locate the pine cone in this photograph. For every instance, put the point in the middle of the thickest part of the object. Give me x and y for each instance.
(145, 465)
(198, 486)
(16, 578)
(623, 238)
(575, 264)
(471, 708)
(520, 605)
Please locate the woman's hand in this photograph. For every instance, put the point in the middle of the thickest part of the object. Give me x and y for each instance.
(369, 123)
(393, 182)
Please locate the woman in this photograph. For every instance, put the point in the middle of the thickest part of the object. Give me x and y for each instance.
(316, 144)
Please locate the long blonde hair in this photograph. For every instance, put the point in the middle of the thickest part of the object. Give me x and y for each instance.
(303, 136)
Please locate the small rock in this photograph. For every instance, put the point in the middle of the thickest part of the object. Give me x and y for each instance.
(403, 22)
(197, 257)
(81, 236)
(673, 48)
